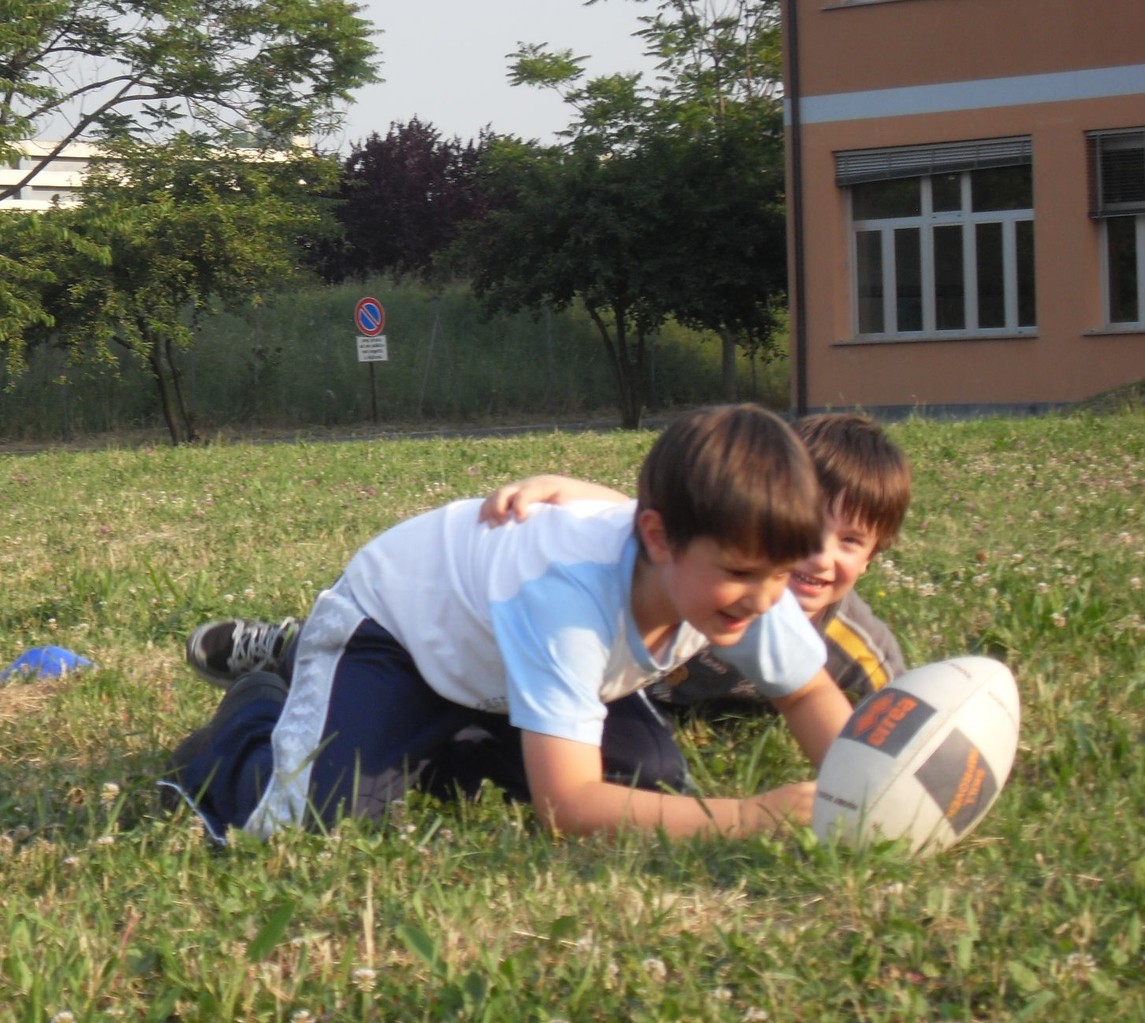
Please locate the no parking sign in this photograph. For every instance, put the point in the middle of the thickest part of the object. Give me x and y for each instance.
(369, 317)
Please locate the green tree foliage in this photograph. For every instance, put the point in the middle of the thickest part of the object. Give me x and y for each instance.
(162, 234)
(720, 69)
(664, 200)
(107, 71)
(402, 200)
(197, 107)
(32, 250)
(565, 225)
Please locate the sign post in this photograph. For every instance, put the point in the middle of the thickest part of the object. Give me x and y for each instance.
(370, 318)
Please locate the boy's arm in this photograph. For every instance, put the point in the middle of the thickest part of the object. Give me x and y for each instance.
(816, 714)
(513, 499)
(569, 791)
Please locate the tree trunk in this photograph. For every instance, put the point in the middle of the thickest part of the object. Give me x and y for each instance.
(189, 431)
(155, 364)
(729, 386)
(170, 400)
(629, 377)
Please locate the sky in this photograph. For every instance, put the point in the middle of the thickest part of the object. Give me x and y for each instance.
(444, 61)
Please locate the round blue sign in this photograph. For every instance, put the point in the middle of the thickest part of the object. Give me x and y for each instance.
(369, 317)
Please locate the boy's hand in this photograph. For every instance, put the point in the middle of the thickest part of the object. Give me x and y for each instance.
(512, 500)
(773, 810)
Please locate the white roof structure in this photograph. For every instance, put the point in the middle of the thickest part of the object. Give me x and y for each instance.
(59, 182)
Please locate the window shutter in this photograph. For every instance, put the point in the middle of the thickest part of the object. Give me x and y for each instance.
(1116, 172)
(862, 165)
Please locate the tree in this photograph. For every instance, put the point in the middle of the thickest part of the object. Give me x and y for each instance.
(714, 118)
(565, 225)
(171, 90)
(721, 69)
(32, 251)
(159, 236)
(263, 71)
(401, 200)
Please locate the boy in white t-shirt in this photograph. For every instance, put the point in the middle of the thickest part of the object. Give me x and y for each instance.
(441, 623)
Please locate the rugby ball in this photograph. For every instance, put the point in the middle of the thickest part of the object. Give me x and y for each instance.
(923, 758)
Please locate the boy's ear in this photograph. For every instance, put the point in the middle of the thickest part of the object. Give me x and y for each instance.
(654, 536)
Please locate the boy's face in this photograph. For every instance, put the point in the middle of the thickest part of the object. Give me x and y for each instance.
(830, 574)
(719, 590)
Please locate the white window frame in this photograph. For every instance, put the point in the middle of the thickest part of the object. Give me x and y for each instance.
(1106, 303)
(1103, 210)
(925, 223)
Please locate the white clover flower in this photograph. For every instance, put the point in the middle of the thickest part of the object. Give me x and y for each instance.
(301, 1016)
(1043, 587)
(1135, 583)
(105, 840)
(656, 968)
(109, 793)
(1058, 619)
(364, 978)
(1079, 965)
(64, 1016)
(755, 1015)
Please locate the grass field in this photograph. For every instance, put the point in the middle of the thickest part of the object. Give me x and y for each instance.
(1025, 541)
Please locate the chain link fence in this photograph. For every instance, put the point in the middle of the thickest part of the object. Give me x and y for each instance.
(292, 363)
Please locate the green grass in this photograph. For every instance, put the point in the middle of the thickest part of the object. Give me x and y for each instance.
(1025, 541)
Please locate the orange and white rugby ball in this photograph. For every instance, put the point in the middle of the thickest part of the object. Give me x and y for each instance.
(924, 758)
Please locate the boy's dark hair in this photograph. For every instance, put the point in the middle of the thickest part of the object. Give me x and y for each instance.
(861, 471)
(736, 474)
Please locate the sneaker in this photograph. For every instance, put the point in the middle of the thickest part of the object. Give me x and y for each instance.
(224, 651)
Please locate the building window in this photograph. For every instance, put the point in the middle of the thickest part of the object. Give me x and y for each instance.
(943, 239)
(1117, 201)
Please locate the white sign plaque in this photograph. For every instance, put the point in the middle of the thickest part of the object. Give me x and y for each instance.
(372, 349)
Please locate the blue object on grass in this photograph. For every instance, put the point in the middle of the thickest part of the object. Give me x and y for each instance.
(44, 660)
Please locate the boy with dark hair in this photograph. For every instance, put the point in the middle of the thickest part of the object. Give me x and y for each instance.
(530, 632)
(866, 481)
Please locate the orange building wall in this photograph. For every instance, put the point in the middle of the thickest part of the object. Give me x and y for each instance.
(876, 46)
(855, 47)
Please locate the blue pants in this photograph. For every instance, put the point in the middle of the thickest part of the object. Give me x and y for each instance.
(386, 730)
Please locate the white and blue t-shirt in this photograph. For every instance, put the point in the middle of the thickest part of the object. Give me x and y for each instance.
(534, 618)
